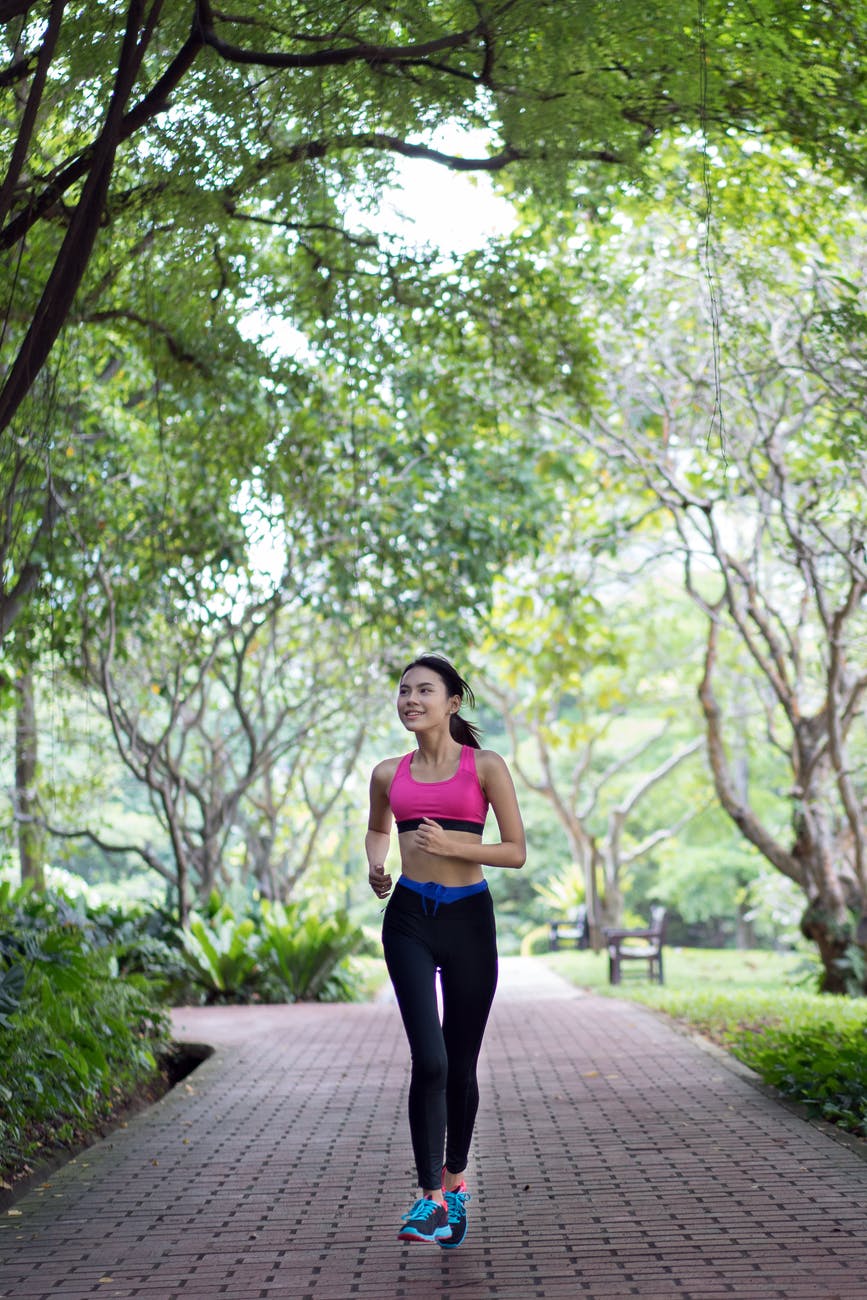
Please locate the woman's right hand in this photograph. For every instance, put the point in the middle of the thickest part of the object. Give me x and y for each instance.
(380, 883)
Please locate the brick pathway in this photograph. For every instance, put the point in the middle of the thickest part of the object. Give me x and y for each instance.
(615, 1157)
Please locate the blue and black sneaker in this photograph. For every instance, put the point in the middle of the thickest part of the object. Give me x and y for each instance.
(427, 1221)
(456, 1203)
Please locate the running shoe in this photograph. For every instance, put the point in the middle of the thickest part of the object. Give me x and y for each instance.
(427, 1221)
(456, 1204)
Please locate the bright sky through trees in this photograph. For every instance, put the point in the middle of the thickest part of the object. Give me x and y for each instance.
(454, 210)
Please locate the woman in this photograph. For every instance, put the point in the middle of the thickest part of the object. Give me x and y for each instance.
(440, 918)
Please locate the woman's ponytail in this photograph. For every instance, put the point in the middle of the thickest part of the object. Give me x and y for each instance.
(465, 733)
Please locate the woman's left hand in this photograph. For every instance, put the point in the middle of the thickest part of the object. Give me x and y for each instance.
(431, 837)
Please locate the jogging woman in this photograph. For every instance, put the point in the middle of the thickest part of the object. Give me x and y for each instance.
(440, 918)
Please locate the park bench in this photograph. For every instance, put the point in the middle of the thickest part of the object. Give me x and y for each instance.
(575, 930)
(637, 945)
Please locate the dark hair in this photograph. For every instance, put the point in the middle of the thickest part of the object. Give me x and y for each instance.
(465, 733)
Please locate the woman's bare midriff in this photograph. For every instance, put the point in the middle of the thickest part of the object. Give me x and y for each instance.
(416, 864)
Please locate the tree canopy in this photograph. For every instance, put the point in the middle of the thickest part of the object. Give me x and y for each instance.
(173, 169)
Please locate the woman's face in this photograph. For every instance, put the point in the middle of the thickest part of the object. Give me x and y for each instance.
(423, 700)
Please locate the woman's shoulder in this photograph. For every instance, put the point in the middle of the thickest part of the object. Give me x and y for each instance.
(385, 770)
(489, 762)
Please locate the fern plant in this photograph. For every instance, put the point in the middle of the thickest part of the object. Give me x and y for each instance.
(304, 956)
(221, 954)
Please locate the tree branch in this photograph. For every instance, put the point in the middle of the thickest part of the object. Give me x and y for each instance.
(657, 837)
(335, 56)
(658, 774)
(31, 108)
(740, 812)
(143, 851)
(74, 254)
(151, 326)
(30, 572)
(10, 9)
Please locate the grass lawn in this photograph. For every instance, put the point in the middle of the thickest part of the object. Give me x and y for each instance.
(685, 969)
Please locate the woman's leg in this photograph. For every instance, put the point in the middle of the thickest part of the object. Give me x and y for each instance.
(412, 968)
(469, 980)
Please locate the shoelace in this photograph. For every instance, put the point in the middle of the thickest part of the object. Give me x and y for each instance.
(422, 1209)
(455, 1201)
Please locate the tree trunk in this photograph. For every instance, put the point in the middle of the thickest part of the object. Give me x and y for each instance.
(258, 860)
(611, 908)
(745, 935)
(833, 936)
(31, 840)
(180, 853)
(584, 852)
(834, 893)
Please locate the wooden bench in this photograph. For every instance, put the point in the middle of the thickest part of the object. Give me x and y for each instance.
(637, 945)
(575, 930)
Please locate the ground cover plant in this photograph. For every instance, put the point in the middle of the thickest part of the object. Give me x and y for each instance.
(78, 1040)
(811, 1047)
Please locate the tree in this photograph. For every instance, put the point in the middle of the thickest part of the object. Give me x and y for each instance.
(759, 471)
(594, 718)
(217, 718)
(288, 810)
(583, 797)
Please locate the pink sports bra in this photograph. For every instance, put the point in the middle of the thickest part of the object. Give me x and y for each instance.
(458, 804)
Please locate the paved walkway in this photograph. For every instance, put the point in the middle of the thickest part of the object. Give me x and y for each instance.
(615, 1157)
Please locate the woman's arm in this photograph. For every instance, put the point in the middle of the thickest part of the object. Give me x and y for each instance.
(496, 781)
(378, 836)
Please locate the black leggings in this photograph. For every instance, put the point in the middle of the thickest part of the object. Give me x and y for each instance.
(459, 939)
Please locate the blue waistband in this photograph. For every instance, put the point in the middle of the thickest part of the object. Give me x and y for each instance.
(429, 889)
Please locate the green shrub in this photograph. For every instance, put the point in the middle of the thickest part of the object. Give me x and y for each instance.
(536, 941)
(824, 1069)
(11, 992)
(76, 1039)
(304, 956)
(811, 1047)
(280, 952)
(221, 956)
(80, 989)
